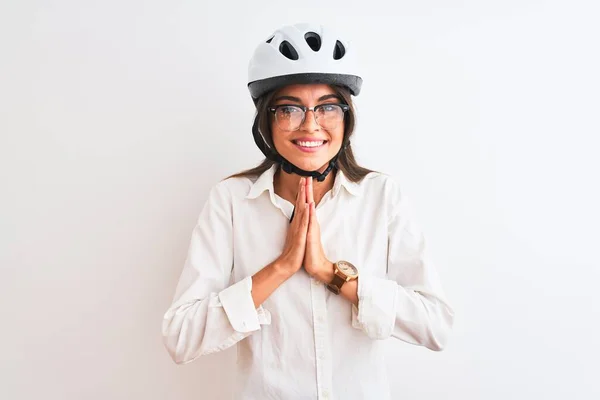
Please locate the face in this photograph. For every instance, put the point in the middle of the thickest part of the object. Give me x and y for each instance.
(313, 144)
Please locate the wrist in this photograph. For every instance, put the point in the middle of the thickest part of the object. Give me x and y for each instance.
(282, 269)
(326, 274)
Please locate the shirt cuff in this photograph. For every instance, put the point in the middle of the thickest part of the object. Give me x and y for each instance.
(376, 311)
(239, 306)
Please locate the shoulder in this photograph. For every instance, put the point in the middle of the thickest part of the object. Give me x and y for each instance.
(385, 190)
(382, 185)
(223, 195)
(232, 188)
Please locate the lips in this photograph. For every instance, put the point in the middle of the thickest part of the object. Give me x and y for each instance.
(309, 143)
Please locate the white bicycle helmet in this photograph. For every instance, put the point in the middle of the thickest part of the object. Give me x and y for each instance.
(302, 53)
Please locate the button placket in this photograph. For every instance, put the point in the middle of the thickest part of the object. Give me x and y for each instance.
(319, 308)
(323, 364)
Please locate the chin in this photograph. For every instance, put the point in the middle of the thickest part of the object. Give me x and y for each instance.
(310, 165)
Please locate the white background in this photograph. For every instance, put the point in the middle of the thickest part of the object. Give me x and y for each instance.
(116, 118)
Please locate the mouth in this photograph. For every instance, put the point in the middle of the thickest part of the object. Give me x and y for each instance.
(310, 146)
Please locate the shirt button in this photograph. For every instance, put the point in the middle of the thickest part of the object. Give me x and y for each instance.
(315, 282)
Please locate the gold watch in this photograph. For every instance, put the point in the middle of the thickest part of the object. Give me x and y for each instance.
(343, 272)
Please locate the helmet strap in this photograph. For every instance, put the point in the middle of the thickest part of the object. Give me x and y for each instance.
(290, 168)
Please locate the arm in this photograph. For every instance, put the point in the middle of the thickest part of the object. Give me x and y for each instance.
(349, 289)
(265, 281)
(409, 304)
(207, 315)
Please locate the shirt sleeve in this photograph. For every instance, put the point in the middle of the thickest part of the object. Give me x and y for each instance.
(409, 303)
(207, 313)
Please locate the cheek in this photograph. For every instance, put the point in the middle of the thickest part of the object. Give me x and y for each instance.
(337, 136)
(278, 138)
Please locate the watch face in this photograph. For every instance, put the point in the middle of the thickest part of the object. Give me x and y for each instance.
(347, 268)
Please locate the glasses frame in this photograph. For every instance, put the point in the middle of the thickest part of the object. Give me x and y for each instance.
(344, 107)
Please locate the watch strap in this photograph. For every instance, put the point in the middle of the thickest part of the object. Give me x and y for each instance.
(336, 283)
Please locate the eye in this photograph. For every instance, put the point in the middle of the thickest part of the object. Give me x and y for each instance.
(288, 110)
(329, 108)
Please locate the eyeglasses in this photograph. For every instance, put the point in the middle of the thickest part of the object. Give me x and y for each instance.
(291, 117)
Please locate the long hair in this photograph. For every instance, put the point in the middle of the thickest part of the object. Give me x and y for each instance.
(346, 161)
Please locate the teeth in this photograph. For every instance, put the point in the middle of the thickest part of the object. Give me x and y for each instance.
(310, 144)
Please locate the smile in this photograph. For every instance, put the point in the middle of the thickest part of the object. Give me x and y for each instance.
(312, 143)
(309, 146)
(303, 143)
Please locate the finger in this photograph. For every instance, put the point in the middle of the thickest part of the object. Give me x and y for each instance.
(300, 203)
(298, 194)
(300, 211)
(305, 220)
(302, 226)
(309, 190)
(313, 213)
(301, 197)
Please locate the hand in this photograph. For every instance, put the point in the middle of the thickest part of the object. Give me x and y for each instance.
(295, 242)
(315, 262)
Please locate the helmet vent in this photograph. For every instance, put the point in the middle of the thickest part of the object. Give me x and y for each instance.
(288, 50)
(313, 40)
(339, 50)
(269, 40)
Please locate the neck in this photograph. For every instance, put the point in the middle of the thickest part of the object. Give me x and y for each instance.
(286, 185)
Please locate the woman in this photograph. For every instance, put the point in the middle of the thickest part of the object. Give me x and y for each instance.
(308, 260)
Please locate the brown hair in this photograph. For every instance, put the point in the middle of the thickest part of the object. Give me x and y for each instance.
(346, 161)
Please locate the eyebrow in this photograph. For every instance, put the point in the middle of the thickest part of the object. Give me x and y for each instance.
(297, 100)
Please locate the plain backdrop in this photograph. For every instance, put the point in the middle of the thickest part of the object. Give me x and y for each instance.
(116, 117)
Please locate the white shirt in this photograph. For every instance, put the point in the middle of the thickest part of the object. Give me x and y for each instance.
(305, 342)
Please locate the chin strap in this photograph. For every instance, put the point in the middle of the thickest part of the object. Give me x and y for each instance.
(292, 169)
(287, 166)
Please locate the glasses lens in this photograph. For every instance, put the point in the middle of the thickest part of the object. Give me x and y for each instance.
(289, 118)
(329, 115)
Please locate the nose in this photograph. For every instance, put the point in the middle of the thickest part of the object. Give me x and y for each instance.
(310, 122)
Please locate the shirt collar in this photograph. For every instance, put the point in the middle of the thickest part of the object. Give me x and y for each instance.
(342, 181)
(265, 182)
